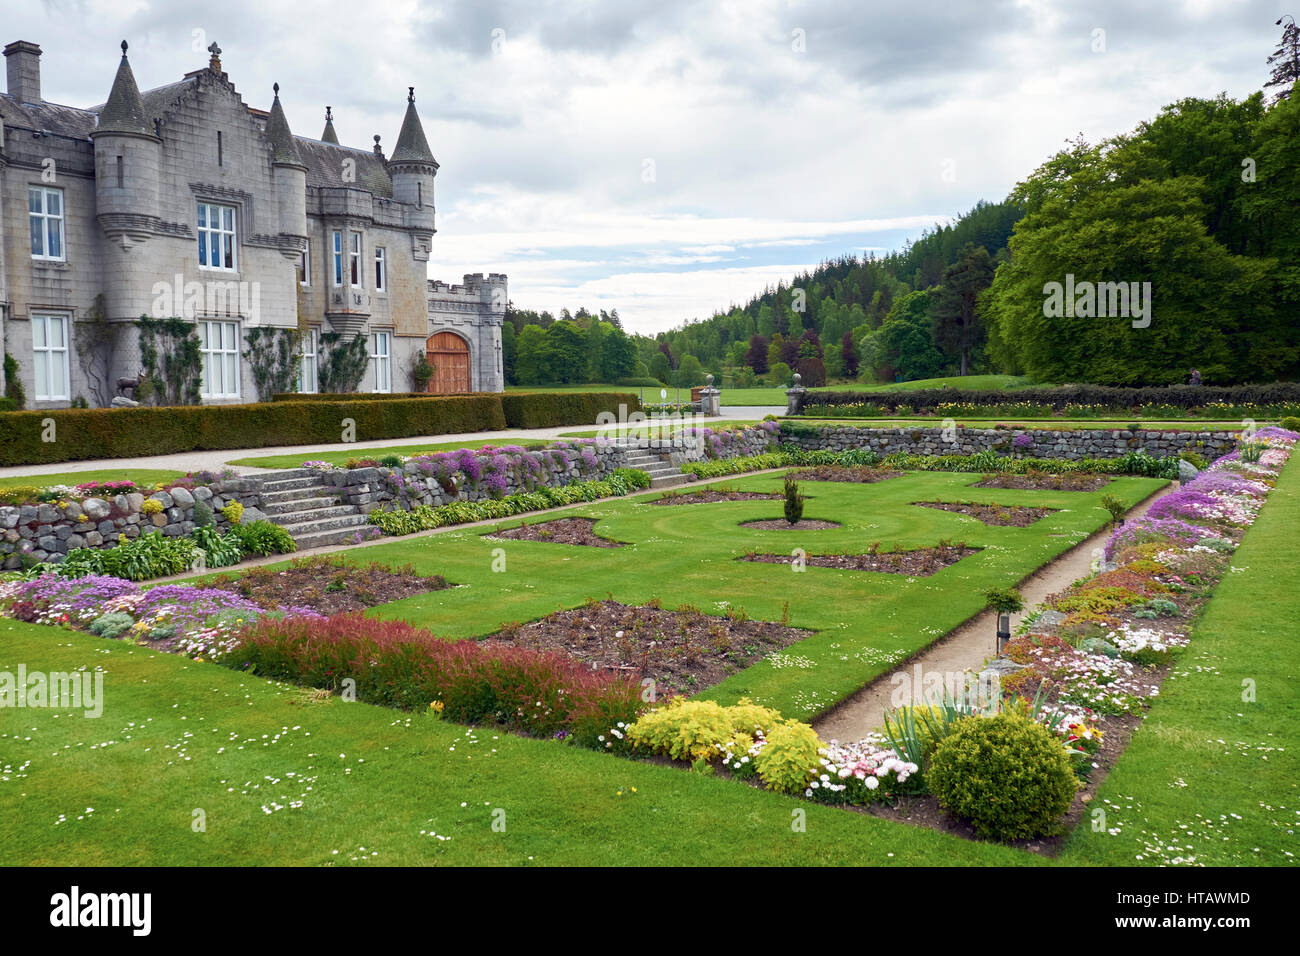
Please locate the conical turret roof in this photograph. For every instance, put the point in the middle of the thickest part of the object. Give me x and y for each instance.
(411, 146)
(329, 136)
(277, 131)
(124, 111)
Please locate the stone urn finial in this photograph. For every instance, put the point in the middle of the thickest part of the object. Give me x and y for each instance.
(797, 379)
(708, 381)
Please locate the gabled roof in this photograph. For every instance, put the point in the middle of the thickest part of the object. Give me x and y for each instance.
(325, 165)
(411, 146)
(48, 117)
(124, 112)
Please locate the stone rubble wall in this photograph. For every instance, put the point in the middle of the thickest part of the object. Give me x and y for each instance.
(371, 488)
(1070, 444)
(47, 532)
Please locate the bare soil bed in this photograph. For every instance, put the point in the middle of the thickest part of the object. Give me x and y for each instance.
(711, 495)
(780, 524)
(1016, 516)
(682, 650)
(577, 531)
(921, 562)
(330, 587)
(860, 474)
(1044, 481)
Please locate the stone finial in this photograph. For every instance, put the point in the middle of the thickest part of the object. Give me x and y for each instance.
(410, 94)
(214, 63)
(329, 114)
(275, 88)
(797, 379)
(124, 48)
(708, 381)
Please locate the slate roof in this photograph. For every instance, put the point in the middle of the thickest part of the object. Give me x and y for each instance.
(411, 146)
(324, 162)
(124, 112)
(47, 117)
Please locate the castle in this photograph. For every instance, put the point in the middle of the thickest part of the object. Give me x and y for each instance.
(182, 202)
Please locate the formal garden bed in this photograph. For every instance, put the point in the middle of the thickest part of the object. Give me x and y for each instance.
(1086, 660)
(1038, 480)
(712, 495)
(327, 585)
(1007, 516)
(860, 474)
(576, 531)
(680, 650)
(914, 562)
(783, 524)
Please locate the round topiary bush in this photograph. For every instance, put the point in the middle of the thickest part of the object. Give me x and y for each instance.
(1291, 423)
(1006, 775)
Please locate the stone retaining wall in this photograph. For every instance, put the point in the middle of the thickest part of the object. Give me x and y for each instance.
(370, 488)
(1044, 443)
(47, 532)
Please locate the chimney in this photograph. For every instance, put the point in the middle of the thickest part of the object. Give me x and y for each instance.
(23, 66)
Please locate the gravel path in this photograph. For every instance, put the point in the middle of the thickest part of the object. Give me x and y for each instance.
(968, 646)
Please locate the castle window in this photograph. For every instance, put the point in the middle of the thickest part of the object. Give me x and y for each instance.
(219, 353)
(220, 157)
(45, 215)
(50, 357)
(121, 173)
(304, 266)
(308, 350)
(381, 270)
(338, 258)
(216, 236)
(382, 359)
(354, 259)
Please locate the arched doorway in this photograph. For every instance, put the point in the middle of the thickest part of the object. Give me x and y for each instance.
(448, 353)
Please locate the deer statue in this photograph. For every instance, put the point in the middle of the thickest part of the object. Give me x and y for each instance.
(125, 385)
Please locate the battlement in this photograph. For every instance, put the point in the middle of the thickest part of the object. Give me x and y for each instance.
(473, 286)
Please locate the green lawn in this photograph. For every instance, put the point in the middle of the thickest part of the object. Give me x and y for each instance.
(284, 781)
(1211, 775)
(685, 554)
(141, 476)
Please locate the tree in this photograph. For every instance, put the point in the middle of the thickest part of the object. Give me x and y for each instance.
(779, 373)
(660, 368)
(563, 354)
(848, 356)
(905, 335)
(756, 356)
(690, 372)
(774, 346)
(618, 355)
(1285, 60)
(530, 363)
(955, 325)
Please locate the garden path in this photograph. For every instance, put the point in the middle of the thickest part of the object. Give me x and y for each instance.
(968, 646)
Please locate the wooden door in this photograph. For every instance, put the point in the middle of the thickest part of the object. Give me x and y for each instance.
(448, 353)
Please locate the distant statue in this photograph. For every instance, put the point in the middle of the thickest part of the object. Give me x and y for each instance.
(125, 385)
(1196, 377)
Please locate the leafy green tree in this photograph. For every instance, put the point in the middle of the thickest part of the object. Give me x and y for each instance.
(618, 354)
(660, 369)
(509, 352)
(956, 328)
(690, 372)
(905, 335)
(530, 361)
(1285, 60)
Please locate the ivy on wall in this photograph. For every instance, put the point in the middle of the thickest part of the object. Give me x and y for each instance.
(343, 364)
(272, 356)
(171, 361)
(95, 338)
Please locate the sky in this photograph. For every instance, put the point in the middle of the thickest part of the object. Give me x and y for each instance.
(669, 158)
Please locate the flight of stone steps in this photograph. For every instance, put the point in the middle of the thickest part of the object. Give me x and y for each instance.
(309, 510)
(662, 472)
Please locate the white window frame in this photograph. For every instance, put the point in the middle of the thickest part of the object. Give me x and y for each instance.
(356, 275)
(304, 267)
(45, 355)
(308, 364)
(229, 370)
(381, 357)
(51, 225)
(381, 269)
(206, 231)
(337, 253)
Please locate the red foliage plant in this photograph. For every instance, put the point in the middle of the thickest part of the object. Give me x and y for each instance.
(396, 664)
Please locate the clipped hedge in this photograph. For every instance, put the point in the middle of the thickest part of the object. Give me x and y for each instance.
(377, 396)
(1122, 399)
(145, 430)
(546, 409)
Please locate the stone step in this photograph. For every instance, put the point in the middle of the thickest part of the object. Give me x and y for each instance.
(310, 495)
(310, 515)
(292, 484)
(667, 481)
(299, 528)
(334, 536)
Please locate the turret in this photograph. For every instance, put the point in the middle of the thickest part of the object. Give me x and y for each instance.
(412, 168)
(128, 153)
(289, 171)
